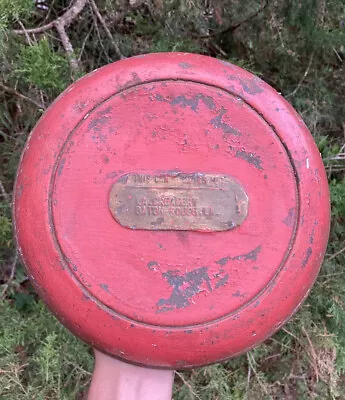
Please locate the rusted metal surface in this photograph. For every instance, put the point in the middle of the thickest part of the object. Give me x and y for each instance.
(178, 201)
(168, 297)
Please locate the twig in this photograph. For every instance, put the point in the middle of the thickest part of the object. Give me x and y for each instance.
(337, 54)
(339, 156)
(187, 384)
(105, 27)
(84, 43)
(313, 353)
(251, 365)
(236, 26)
(60, 24)
(331, 275)
(9, 371)
(282, 344)
(65, 19)
(303, 77)
(40, 29)
(67, 45)
(248, 380)
(219, 49)
(4, 193)
(14, 263)
(20, 95)
(49, 11)
(72, 12)
(291, 334)
(94, 17)
(25, 33)
(336, 254)
(10, 278)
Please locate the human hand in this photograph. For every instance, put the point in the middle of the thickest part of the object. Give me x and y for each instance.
(113, 379)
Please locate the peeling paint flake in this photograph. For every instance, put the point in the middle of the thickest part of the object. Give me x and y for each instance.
(251, 158)
(252, 256)
(290, 219)
(192, 102)
(307, 257)
(186, 286)
(219, 124)
(104, 286)
(251, 86)
(222, 282)
(98, 123)
(223, 261)
(152, 265)
(184, 65)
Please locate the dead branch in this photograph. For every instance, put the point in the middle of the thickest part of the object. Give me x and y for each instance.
(84, 44)
(336, 254)
(72, 12)
(39, 29)
(251, 364)
(95, 20)
(188, 385)
(15, 260)
(339, 156)
(10, 278)
(21, 96)
(105, 27)
(312, 354)
(67, 45)
(4, 193)
(25, 33)
(303, 77)
(248, 379)
(65, 19)
(60, 24)
(232, 28)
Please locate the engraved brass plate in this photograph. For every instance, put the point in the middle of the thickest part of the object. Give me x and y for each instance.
(178, 201)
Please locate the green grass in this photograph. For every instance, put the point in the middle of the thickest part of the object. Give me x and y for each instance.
(39, 358)
(301, 53)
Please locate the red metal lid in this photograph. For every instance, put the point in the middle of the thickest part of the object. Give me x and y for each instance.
(172, 209)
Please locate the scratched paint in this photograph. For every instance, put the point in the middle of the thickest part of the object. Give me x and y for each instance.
(308, 254)
(251, 158)
(252, 86)
(251, 256)
(290, 218)
(184, 65)
(218, 123)
(186, 101)
(187, 286)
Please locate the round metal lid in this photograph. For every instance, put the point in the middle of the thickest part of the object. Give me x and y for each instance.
(171, 209)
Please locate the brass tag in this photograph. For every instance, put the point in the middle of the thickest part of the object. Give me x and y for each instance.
(178, 201)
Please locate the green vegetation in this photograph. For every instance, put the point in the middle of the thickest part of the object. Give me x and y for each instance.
(296, 46)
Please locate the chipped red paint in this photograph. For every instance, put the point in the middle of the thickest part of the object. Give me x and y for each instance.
(173, 299)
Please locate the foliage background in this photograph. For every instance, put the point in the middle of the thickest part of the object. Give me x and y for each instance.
(298, 47)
